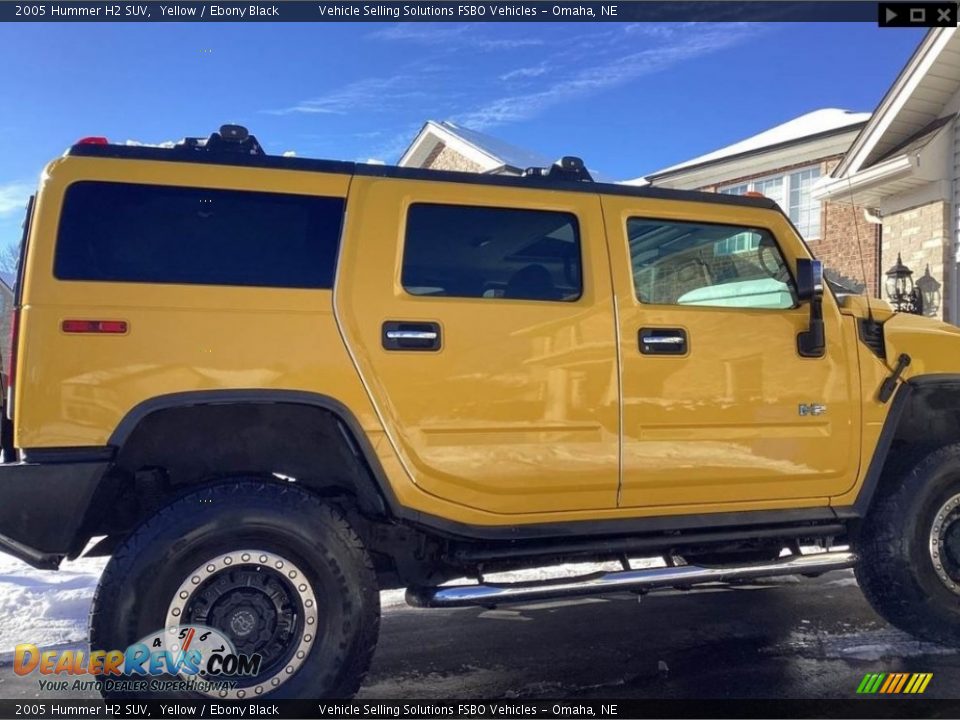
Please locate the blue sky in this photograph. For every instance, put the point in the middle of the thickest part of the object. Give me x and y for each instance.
(628, 98)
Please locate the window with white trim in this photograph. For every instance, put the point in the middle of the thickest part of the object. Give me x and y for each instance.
(792, 192)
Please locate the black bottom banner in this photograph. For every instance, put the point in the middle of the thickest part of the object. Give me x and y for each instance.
(481, 709)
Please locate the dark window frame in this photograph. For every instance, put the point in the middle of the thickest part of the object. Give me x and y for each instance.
(571, 215)
(326, 257)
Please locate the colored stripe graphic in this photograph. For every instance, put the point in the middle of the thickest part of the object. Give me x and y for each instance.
(903, 681)
(894, 683)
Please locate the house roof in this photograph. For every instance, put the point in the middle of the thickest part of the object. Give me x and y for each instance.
(921, 138)
(492, 154)
(817, 124)
(8, 279)
(917, 97)
(908, 167)
(900, 151)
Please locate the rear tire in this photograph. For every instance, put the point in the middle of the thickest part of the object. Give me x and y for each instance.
(909, 546)
(277, 571)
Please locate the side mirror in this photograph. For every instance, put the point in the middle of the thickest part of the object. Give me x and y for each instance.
(811, 343)
(809, 279)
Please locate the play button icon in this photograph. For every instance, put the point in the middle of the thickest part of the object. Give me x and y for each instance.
(892, 14)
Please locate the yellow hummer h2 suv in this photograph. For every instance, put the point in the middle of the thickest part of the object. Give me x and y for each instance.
(269, 387)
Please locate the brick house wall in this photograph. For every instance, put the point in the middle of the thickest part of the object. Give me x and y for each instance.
(922, 237)
(848, 243)
(443, 158)
(846, 236)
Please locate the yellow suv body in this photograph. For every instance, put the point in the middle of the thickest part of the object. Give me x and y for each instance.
(469, 370)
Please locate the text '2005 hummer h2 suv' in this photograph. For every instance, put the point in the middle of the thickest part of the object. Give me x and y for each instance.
(270, 387)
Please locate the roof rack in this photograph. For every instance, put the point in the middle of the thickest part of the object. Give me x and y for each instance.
(566, 168)
(231, 138)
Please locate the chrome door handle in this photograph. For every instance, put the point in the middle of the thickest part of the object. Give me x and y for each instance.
(411, 335)
(663, 341)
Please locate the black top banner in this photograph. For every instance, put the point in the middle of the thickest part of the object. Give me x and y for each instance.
(480, 709)
(451, 10)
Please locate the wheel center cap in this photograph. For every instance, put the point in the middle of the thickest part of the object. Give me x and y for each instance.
(242, 622)
(951, 541)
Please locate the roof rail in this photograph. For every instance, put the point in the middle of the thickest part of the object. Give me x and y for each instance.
(231, 138)
(566, 168)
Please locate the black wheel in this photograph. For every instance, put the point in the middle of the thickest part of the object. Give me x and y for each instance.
(270, 568)
(909, 546)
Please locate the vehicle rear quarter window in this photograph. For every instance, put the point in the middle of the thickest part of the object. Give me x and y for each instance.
(125, 232)
(486, 252)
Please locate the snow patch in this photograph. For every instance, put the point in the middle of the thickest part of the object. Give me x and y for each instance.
(43, 607)
(866, 645)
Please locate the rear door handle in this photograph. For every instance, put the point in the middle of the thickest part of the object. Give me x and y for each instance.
(663, 341)
(401, 335)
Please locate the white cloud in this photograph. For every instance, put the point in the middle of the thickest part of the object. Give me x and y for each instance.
(375, 161)
(527, 78)
(524, 73)
(369, 94)
(452, 38)
(13, 197)
(613, 71)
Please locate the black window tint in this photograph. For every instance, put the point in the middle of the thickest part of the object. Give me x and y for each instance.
(153, 233)
(483, 252)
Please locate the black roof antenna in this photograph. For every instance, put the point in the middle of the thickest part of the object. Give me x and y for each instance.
(863, 266)
(566, 168)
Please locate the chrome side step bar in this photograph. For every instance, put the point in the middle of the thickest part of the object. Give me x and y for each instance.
(491, 594)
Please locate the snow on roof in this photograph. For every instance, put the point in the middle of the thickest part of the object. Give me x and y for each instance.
(813, 123)
(497, 149)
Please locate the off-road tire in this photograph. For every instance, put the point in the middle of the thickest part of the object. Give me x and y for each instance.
(145, 572)
(895, 569)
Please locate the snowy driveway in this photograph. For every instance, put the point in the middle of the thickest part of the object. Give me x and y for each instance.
(786, 638)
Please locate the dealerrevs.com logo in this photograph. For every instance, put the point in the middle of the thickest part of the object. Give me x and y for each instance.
(183, 658)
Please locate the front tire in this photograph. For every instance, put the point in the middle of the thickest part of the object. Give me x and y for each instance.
(909, 547)
(278, 572)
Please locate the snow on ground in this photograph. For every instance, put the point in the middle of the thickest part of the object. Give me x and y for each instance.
(44, 607)
(859, 644)
(47, 608)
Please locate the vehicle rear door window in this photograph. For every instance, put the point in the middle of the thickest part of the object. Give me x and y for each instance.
(488, 252)
(125, 232)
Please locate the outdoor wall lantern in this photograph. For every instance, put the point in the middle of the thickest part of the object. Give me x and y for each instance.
(900, 290)
(930, 292)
